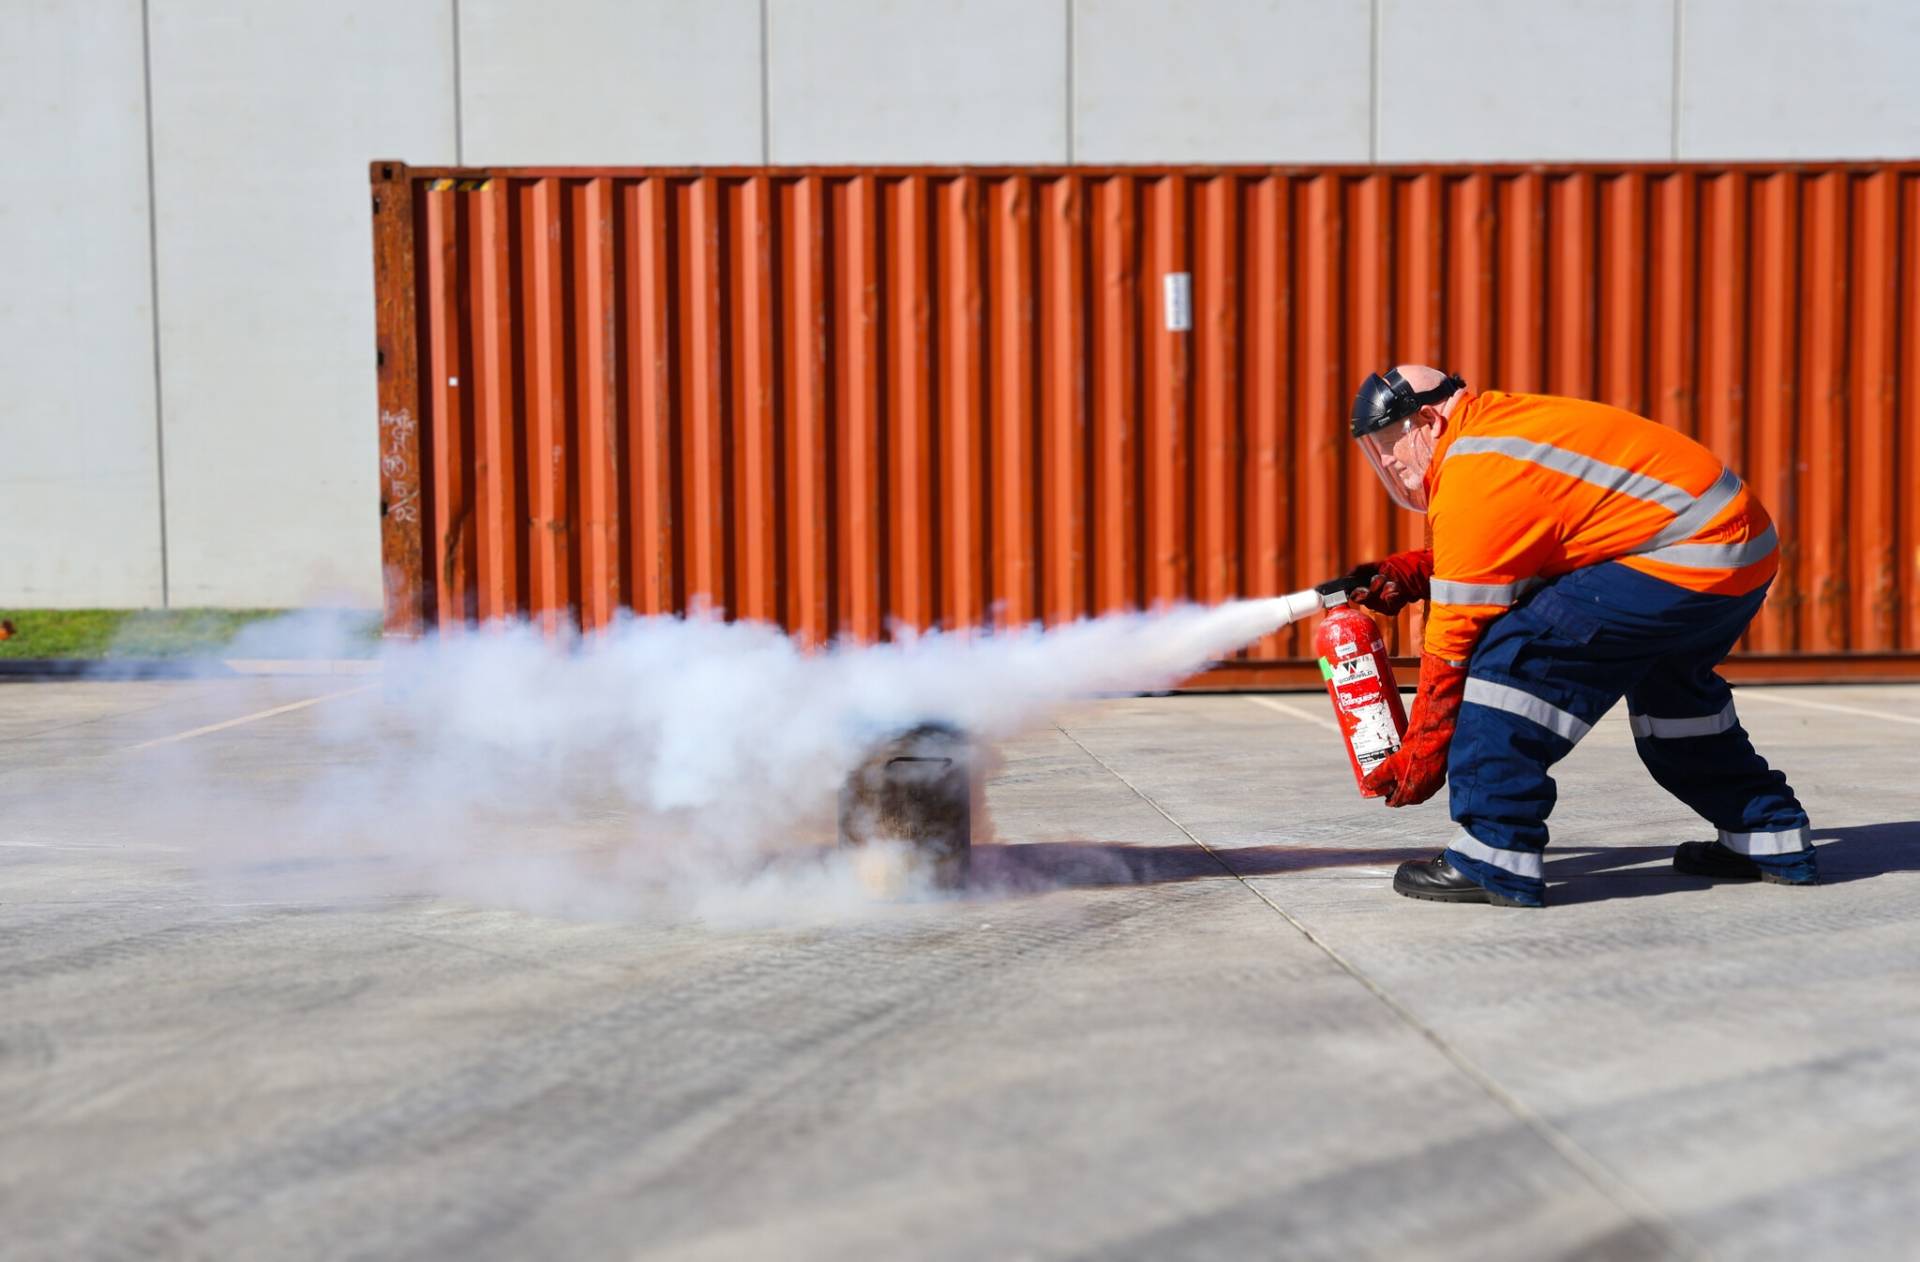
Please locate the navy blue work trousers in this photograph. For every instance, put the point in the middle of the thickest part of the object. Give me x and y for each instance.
(1549, 668)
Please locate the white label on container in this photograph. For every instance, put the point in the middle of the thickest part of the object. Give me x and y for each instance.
(1178, 287)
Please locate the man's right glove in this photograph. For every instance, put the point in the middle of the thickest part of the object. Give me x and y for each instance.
(1414, 772)
(1389, 585)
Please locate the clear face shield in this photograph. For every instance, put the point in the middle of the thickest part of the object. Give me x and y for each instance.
(1400, 454)
(1399, 446)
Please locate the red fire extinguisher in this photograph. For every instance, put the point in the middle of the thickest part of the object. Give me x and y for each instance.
(1359, 675)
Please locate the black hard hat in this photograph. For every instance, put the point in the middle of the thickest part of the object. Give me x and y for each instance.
(1383, 400)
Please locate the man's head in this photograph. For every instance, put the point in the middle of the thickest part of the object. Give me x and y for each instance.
(1397, 420)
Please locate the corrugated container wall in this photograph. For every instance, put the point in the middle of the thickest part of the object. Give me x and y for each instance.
(845, 400)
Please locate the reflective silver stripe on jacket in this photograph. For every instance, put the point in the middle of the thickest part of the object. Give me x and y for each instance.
(1501, 697)
(1717, 556)
(1519, 862)
(1790, 841)
(1646, 727)
(1447, 592)
(1608, 477)
(1690, 520)
(1691, 513)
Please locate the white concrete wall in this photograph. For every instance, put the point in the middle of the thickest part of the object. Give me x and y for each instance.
(1233, 81)
(1519, 80)
(264, 116)
(873, 81)
(1787, 79)
(264, 119)
(604, 82)
(79, 480)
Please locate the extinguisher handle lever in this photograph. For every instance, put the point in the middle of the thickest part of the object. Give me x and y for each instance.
(1353, 580)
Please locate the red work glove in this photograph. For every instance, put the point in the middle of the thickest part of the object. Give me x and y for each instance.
(1418, 768)
(1389, 585)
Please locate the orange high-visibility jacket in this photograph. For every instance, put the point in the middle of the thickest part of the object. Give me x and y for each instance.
(1526, 487)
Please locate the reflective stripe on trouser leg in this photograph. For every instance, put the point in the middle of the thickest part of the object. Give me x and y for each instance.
(1647, 727)
(1515, 701)
(1522, 863)
(1532, 692)
(1787, 841)
(1785, 853)
(1500, 796)
(1688, 734)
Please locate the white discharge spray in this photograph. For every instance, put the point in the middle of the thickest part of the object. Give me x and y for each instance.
(497, 765)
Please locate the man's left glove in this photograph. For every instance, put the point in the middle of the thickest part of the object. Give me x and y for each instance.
(1418, 768)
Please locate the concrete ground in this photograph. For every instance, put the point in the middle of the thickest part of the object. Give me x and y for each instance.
(1193, 1021)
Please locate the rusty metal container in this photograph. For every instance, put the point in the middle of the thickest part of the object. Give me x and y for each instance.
(843, 399)
(912, 797)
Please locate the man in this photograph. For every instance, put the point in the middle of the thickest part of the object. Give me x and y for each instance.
(1579, 554)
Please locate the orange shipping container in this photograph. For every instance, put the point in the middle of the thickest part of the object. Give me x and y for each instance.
(845, 399)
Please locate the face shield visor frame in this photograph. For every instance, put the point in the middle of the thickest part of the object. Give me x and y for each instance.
(1379, 449)
(1385, 425)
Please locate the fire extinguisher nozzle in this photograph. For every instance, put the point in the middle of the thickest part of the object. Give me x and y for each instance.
(1297, 605)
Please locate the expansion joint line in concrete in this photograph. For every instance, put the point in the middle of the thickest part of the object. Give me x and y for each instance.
(289, 708)
(1604, 1180)
(507, 956)
(1864, 712)
(1294, 711)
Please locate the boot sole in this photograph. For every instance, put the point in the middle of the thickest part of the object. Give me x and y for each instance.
(1718, 876)
(1765, 877)
(1485, 897)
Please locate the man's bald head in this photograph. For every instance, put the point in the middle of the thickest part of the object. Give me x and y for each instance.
(1420, 376)
(1425, 377)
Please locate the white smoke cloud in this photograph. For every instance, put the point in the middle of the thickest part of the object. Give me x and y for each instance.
(662, 768)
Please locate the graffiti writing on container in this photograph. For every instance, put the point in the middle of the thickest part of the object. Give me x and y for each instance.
(397, 447)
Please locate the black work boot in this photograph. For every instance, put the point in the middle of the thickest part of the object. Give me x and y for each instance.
(1716, 862)
(1439, 881)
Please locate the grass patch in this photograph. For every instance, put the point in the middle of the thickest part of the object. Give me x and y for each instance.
(115, 633)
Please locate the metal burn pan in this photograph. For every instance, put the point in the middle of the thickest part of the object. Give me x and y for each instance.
(909, 807)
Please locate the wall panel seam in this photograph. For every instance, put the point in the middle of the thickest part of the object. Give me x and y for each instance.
(766, 83)
(153, 291)
(459, 121)
(1673, 106)
(1373, 82)
(1071, 105)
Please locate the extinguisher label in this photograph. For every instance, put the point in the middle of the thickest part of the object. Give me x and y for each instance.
(1354, 670)
(1357, 689)
(1373, 735)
